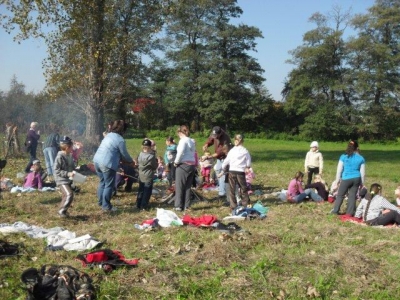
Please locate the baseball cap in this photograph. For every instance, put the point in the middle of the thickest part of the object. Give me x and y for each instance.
(216, 131)
(146, 143)
(36, 161)
(66, 140)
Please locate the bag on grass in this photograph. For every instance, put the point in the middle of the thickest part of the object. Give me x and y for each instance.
(7, 249)
(260, 208)
(57, 282)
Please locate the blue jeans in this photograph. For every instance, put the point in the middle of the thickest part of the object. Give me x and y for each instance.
(310, 193)
(50, 154)
(106, 185)
(144, 194)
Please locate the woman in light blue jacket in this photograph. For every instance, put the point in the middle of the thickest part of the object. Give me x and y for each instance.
(111, 151)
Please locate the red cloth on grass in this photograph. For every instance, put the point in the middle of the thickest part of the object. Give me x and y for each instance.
(199, 221)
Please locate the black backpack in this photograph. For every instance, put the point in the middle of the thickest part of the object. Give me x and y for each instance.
(59, 282)
(7, 249)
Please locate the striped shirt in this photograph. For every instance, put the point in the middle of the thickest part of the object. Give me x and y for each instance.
(378, 204)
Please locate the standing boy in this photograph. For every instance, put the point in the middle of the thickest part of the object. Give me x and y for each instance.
(63, 167)
(147, 166)
(239, 162)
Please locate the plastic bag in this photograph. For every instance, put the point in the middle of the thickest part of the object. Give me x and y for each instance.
(260, 208)
(167, 218)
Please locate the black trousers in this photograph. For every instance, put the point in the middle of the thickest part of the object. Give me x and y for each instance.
(310, 174)
(385, 219)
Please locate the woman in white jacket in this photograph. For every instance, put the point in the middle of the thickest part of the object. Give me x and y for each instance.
(239, 162)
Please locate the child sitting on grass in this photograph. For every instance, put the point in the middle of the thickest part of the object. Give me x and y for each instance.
(297, 194)
(34, 178)
(376, 210)
(321, 187)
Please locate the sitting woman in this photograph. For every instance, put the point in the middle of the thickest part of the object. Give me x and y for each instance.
(376, 210)
(297, 194)
(320, 185)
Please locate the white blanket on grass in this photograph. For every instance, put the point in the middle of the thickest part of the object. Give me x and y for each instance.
(56, 236)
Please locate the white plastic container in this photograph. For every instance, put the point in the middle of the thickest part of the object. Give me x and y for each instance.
(78, 177)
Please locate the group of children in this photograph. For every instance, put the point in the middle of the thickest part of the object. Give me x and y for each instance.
(373, 208)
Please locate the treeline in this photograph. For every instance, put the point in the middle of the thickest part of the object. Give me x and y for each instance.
(163, 63)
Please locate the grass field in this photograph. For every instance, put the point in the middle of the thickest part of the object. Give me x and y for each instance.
(297, 252)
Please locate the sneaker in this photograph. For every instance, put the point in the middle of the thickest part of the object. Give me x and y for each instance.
(177, 208)
(112, 209)
(62, 214)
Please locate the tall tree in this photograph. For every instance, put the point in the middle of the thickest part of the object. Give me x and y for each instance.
(94, 47)
(320, 75)
(212, 73)
(375, 53)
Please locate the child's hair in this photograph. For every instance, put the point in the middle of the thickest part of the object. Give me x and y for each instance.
(118, 126)
(171, 139)
(184, 129)
(352, 147)
(298, 175)
(318, 178)
(373, 191)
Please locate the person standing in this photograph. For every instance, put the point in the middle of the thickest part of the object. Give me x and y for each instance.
(106, 160)
(31, 143)
(51, 147)
(314, 162)
(63, 171)
(169, 158)
(222, 145)
(351, 174)
(185, 164)
(147, 163)
(239, 161)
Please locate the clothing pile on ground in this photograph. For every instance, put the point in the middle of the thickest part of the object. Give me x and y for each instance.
(57, 238)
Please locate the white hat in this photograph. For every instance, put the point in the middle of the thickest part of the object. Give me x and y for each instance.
(314, 144)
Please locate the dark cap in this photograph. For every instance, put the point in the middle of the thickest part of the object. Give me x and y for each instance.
(66, 140)
(216, 131)
(146, 143)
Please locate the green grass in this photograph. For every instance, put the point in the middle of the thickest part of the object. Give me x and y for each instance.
(298, 252)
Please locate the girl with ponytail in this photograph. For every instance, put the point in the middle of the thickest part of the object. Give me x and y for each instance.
(376, 210)
(351, 174)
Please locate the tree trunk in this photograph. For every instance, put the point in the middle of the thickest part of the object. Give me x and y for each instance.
(94, 124)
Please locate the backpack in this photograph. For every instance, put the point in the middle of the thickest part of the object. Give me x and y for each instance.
(57, 282)
(7, 249)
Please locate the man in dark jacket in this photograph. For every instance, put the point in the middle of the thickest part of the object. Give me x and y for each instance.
(31, 143)
(222, 145)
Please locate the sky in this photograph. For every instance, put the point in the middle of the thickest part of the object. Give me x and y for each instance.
(282, 23)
